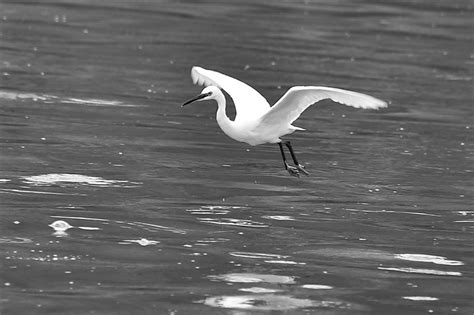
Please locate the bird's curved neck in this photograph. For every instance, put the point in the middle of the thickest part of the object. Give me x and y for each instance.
(224, 122)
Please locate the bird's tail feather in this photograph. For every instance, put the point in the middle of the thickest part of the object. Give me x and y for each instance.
(298, 128)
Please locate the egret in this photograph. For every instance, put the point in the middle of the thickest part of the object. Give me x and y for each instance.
(256, 122)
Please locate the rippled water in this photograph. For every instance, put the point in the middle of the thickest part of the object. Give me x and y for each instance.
(114, 200)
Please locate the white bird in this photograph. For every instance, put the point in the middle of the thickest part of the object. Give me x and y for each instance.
(256, 122)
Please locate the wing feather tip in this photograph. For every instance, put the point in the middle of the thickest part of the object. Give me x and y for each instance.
(380, 104)
(196, 76)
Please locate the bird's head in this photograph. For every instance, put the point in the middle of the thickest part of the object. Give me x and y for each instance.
(208, 93)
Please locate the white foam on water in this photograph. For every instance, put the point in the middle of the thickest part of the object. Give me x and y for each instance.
(316, 286)
(44, 258)
(142, 242)
(18, 96)
(146, 226)
(392, 211)
(210, 240)
(269, 302)
(285, 262)
(264, 302)
(155, 227)
(439, 260)
(257, 255)
(420, 298)
(46, 98)
(56, 179)
(234, 222)
(89, 228)
(213, 210)
(24, 191)
(422, 271)
(93, 102)
(279, 217)
(78, 218)
(60, 226)
(223, 207)
(206, 211)
(253, 278)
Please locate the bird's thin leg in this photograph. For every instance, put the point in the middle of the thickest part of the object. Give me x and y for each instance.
(293, 156)
(291, 169)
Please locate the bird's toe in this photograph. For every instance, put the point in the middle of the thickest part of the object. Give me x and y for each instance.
(293, 171)
(302, 169)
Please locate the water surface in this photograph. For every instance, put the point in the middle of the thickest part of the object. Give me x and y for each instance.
(117, 201)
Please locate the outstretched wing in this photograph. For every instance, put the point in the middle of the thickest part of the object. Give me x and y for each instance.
(248, 102)
(290, 106)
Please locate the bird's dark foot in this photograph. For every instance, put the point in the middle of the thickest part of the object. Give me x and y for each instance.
(302, 169)
(293, 171)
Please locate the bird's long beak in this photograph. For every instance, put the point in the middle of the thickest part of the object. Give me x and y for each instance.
(197, 98)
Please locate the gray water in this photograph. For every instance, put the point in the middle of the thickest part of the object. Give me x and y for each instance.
(114, 200)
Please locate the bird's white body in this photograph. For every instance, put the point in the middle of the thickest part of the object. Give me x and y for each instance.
(250, 130)
(256, 122)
